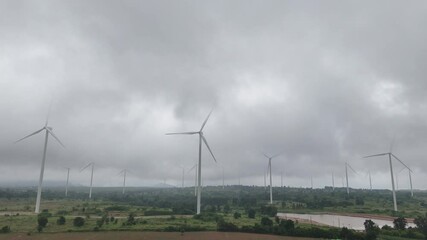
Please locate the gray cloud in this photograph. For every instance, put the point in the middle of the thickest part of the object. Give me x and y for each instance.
(323, 83)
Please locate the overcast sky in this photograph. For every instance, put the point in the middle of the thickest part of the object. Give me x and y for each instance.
(322, 82)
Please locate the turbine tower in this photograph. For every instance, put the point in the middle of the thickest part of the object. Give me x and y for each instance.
(346, 175)
(48, 130)
(124, 171)
(91, 177)
(271, 180)
(68, 177)
(333, 182)
(391, 172)
(201, 138)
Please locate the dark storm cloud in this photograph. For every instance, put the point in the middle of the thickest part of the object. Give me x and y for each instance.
(320, 82)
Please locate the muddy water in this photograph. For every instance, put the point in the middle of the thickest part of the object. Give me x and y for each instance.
(355, 223)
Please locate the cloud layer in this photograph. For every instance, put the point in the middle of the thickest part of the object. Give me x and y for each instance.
(321, 83)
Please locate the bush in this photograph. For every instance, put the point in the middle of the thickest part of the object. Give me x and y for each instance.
(251, 213)
(42, 221)
(5, 229)
(224, 226)
(269, 210)
(61, 220)
(266, 221)
(78, 222)
(399, 223)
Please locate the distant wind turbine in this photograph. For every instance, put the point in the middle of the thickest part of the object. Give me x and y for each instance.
(390, 154)
(68, 177)
(271, 180)
(48, 130)
(201, 138)
(195, 178)
(124, 171)
(346, 175)
(91, 177)
(281, 179)
(333, 182)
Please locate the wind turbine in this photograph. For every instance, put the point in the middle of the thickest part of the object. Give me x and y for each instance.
(281, 179)
(223, 177)
(68, 177)
(269, 169)
(311, 181)
(201, 138)
(48, 130)
(91, 177)
(370, 181)
(333, 182)
(124, 171)
(195, 178)
(391, 172)
(346, 175)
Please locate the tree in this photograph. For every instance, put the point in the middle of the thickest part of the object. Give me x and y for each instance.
(61, 220)
(266, 221)
(5, 229)
(371, 230)
(400, 223)
(251, 213)
(237, 215)
(78, 222)
(42, 221)
(131, 219)
(421, 223)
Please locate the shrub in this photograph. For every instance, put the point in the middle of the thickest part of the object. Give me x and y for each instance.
(251, 213)
(61, 220)
(269, 210)
(42, 221)
(78, 222)
(5, 229)
(224, 226)
(399, 223)
(266, 221)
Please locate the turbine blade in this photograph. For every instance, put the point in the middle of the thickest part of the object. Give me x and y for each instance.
(401, 162)
(206, 120)
(53, 135)
(182, 133)
(266, 155)
(276, 155)
(195, 165)
(401, 170)
(375, 155)
(207, 145)
(352, 168)
(34, 133)
(119, 173)
(81, 169)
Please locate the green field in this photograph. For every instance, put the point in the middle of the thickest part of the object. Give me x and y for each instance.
(172, 210)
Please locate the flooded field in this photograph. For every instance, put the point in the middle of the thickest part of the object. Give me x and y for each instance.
(355, 223)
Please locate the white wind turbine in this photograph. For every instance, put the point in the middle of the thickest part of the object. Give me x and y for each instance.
(91, 176)
(346, 175)
(124, 171)
(391, 172)
(68, 177)
(333, 182)
(269, 169)
(201, 138)
(195, 178)
(48, 130)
